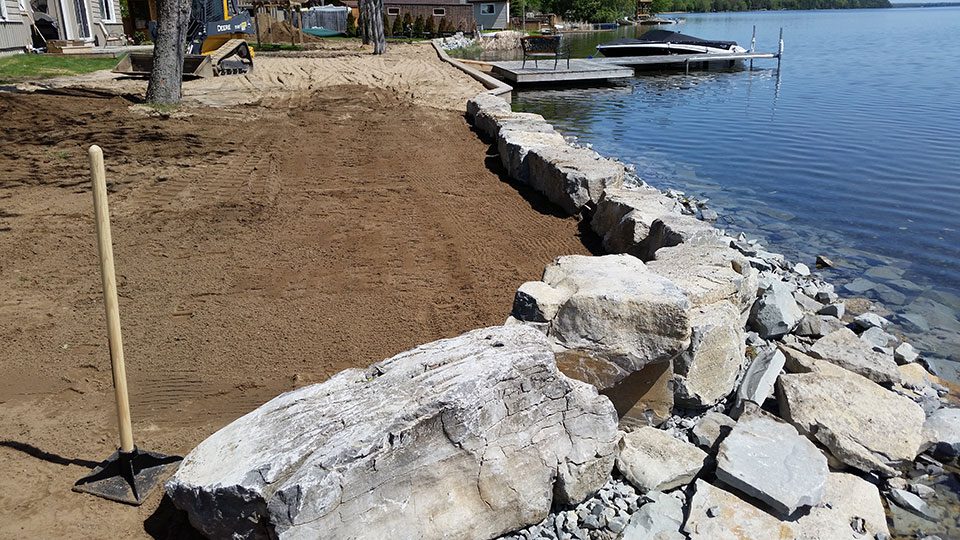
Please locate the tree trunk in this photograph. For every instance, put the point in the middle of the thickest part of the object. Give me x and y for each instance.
(365, 21)
(167, 74)
(379, 35)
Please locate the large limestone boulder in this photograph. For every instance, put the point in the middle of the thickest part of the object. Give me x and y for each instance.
(572, 177)
(535, 301)
(617, 310)
(486, 102)
(473, 436)
(624, 216)
(769, 461)
(717, 514)
(846, 350)
(490, 122)
(653, 460)
(847, 498)
(709, 272)
(862, 424)
(515, 145)
(675, 229)
(707, 371)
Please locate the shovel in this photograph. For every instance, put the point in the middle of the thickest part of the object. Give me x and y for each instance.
(129, 474)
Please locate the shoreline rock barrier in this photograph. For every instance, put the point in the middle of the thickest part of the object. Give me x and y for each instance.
(685, 385)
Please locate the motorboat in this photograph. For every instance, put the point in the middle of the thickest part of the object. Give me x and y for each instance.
(664, 42)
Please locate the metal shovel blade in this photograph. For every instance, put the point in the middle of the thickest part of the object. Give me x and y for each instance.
(127, 477)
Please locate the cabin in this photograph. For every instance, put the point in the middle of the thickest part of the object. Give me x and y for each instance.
(82, 21)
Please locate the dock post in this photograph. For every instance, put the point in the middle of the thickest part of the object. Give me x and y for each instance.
(780, 50)
(686, 66)
(753, 45)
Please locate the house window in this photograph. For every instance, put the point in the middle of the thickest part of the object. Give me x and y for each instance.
(486, 9)
(439, 12)
(106, 11)
(393, 11)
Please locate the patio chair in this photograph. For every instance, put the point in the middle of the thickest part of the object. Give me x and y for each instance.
(538, 47)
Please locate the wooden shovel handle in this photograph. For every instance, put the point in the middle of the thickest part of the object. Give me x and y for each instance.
(105, 248)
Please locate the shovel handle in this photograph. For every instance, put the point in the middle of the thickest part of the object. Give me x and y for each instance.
(111, 304)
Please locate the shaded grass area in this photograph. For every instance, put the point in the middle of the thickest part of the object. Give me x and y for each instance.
(23, 67)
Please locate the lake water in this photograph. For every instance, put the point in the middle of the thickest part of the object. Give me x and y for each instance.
(852, 151)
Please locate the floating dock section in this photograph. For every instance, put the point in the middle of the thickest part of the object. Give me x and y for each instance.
(604, 69)
(579, 70)
(601, 69)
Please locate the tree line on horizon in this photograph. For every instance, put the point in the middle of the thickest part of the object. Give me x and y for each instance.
(660, 6)
(611, 10)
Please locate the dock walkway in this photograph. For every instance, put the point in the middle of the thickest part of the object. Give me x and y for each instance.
(581, 69)
(603, 68)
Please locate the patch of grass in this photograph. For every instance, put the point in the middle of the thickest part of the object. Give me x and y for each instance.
(25, 67)
(471, 52)
(162, 108)
(266, 47)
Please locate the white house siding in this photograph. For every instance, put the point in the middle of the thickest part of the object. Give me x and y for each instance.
(14, 30)
(115, 27)
(496, 21)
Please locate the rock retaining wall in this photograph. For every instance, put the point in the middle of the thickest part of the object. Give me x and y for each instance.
(709, 350)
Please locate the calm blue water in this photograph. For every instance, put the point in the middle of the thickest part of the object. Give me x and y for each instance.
(852, 151)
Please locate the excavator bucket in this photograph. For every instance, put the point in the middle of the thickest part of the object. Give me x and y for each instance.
(195, 66)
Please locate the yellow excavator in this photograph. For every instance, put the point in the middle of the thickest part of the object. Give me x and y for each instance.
(216, 43)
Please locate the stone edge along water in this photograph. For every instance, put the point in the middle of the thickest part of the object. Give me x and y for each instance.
(687, 331)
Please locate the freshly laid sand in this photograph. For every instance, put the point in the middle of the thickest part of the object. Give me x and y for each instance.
(412, 72)
(258, 249)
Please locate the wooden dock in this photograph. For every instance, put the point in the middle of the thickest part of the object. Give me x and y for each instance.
(603, 68)
(580, 70)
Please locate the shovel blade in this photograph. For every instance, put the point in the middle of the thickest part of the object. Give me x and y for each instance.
(127, 477)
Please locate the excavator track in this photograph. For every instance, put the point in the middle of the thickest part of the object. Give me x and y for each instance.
(223, 60)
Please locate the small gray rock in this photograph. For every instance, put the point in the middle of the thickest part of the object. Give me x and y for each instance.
(662, 514)
(923, 491)
(761, 375)
(801, 269)
(869, 320)
(905, 354)
(834, 310)
(909, 501)
(877, 338)
(711, 428)
(775, 312)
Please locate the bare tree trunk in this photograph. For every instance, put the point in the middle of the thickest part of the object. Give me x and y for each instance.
(167, 74)
(378, 35)
(365, 21)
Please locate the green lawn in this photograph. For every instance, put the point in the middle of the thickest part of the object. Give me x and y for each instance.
(25, 67)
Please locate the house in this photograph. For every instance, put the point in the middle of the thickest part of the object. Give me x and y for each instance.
(458, 13)
(83, 20)
(14, 26)
(463, 15)
(491, 15)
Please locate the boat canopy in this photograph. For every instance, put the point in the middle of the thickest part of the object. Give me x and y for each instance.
(666, 36)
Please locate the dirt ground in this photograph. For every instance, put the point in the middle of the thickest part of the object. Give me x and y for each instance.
(411, 72)
(259, 248)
